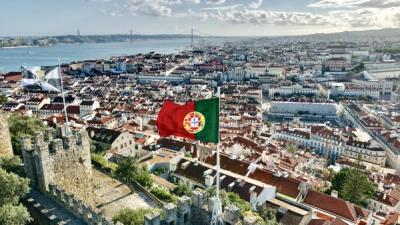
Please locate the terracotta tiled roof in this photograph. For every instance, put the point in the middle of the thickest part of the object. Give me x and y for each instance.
(192, 171)
(337, 222)
(318, 222)
(284, 185)
(53, 107)
(392, 178)
(195, 172)
(334, 205)
(387, 199)
(315, 129)
(73, 109)
(248, 143)
(392, 219)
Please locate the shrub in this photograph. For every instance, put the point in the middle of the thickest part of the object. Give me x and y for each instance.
(133, 217)
(163, 194)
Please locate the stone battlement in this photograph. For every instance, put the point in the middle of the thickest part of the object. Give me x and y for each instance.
(197, 210)
(56, 141)
(59, 166)
(64, 160)
(78, 207)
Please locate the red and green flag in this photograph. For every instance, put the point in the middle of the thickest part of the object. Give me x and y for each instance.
(198, 120)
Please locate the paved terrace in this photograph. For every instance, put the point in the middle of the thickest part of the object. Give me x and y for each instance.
(111, 195)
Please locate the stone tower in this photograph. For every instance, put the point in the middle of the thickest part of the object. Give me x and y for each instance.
(5, 140)
(59, 159)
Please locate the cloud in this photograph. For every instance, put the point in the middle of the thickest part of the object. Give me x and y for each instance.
(369, 17)
(149, 7)
(256, 4)
(362, 13)
(215, 2)
(252, 14)
(157, 8)
(346, 14)
(193, 1)
(355, 3)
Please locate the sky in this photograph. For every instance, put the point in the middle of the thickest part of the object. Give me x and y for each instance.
(206, 17)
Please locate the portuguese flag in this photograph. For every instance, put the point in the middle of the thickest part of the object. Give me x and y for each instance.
(198, 120)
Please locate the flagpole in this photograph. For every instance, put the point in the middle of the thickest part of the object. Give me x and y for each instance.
(63, 97)
(217, 209)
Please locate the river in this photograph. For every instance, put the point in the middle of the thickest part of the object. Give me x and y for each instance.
(11, 59)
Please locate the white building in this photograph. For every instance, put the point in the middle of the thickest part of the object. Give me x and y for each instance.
(348, 89)
(317, 108)
(385, 87)
(334, 143)
(296, 89)
(87, 107)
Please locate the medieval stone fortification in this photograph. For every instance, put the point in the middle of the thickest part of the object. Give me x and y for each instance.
(63, 160)
(5, 140)
(59, 166)
(197, 210)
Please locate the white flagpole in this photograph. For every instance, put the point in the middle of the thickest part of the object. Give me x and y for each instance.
(217, 210)
(63, 97)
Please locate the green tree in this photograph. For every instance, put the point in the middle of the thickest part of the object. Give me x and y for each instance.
(14, 214)
(99, 147)
(260, 220)
(163, 194)
(3, 99)
(291, 148)
(354, 186)
(12, 188)
(23, 125)
(267, 213)
(133, 217)
(127, 169)
(183, 189)
(144, 178)
(12, 164)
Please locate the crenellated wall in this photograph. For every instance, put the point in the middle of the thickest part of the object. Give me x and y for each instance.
(63, 160)
(40, 214)
(59, 166)
(197, 210)
(77, 207)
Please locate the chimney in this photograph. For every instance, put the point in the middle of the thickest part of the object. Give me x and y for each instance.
(334, 193)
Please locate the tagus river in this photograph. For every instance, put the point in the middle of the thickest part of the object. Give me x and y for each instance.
(11, 59)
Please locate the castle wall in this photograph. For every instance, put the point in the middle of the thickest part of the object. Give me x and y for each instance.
(59, 165)
(63, 160)
(197, 210)
(5, 140)
(77, 207)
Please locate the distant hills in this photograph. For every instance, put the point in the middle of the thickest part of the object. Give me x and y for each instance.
(78, 39)
(388, 34)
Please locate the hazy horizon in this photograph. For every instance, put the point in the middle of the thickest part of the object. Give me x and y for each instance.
(187, 35)
(230, 18)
